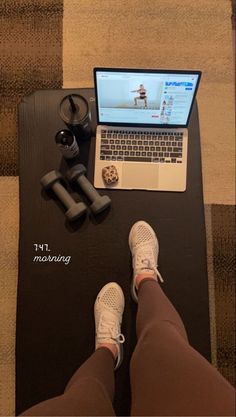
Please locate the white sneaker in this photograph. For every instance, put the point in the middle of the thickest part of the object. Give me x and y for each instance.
(144, 247)
(108, 311)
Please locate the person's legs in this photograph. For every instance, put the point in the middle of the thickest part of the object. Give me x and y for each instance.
(91, 389)
(168, 377)
(89, 392)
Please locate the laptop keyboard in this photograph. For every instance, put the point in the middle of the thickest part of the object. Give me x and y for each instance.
(161, 147)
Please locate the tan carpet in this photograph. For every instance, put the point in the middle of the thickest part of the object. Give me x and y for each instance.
(9, 234)
(164, 34)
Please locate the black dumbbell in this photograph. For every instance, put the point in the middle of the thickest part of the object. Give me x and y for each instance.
(53, 180)
(99, 203)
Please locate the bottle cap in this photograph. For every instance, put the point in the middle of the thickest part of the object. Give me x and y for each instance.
(74, 109)
(64, 137)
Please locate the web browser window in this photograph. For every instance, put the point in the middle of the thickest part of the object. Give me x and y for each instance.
(146, 98)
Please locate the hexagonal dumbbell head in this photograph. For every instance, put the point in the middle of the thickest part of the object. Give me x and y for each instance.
(76, 211)
(75, 172)
(50, 178)
(100, 204)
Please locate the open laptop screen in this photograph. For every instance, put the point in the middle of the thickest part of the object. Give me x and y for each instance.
(145, 97)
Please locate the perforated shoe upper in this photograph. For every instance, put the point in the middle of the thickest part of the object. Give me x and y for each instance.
(144, 247)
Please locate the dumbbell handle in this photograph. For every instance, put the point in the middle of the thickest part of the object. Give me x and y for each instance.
(63, 194)
(87, 187)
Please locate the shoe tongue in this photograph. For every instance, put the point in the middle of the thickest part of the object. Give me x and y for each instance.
(145, 258)
(146, 264)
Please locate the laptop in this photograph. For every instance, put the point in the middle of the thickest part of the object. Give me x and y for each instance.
(142, 129)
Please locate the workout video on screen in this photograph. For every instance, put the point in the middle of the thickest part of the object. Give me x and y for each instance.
(131, 94)
(146, 99)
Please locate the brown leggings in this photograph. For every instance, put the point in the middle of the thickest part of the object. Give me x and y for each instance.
(168, 377)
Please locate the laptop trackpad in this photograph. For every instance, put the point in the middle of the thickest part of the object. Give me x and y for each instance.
(140, 176)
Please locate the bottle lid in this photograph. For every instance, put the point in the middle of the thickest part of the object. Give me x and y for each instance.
(64, 137)
(73, 109)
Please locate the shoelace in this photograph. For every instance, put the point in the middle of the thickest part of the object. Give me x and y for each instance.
(144, 260)
(109, 329)
(120, 338)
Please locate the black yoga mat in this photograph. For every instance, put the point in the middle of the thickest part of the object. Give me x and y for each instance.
(55, 325)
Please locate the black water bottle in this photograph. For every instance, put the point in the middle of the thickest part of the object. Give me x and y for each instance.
(74, 111)
(67, 144)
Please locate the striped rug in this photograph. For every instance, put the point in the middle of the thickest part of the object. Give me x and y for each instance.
(36, 49)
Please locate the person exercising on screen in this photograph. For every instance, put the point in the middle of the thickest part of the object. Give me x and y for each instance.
(142, 95)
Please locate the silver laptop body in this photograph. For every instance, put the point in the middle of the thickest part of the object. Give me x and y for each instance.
(142, 126)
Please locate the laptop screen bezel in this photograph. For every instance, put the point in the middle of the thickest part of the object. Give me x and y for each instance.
(151, 71)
